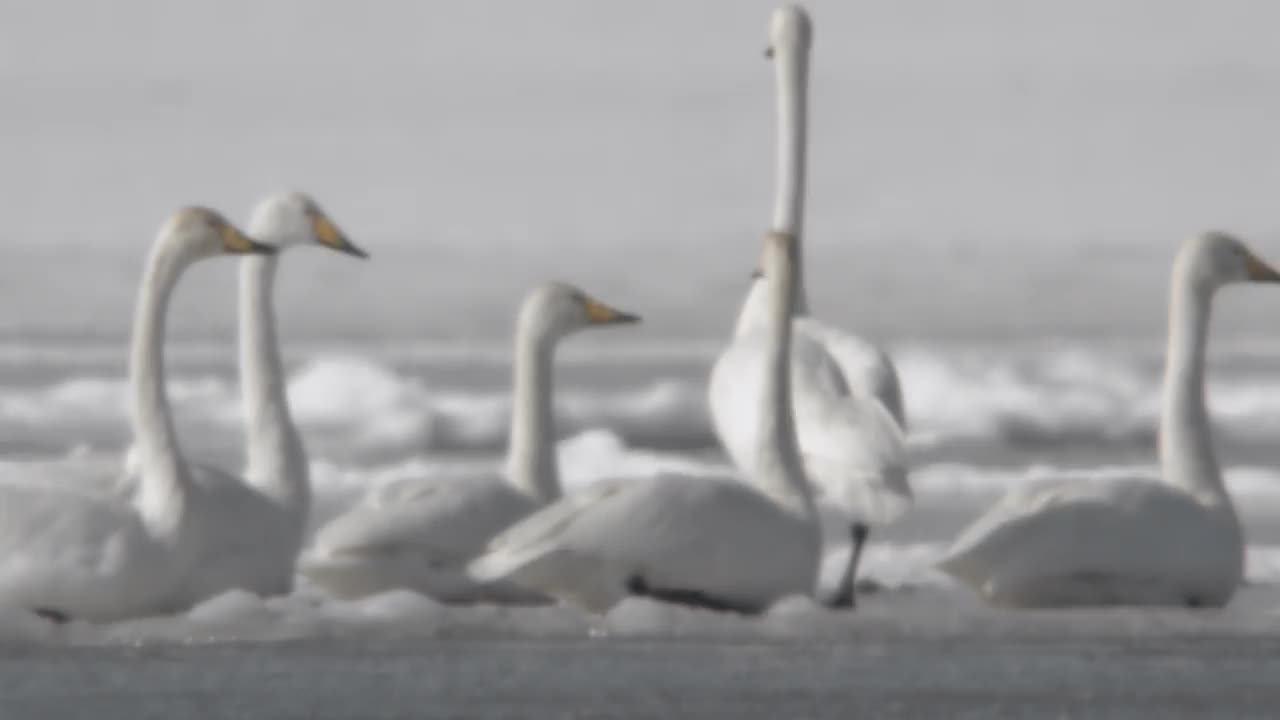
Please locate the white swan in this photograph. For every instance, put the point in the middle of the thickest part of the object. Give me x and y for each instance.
(258, 522)
(65, 553)
(719, 544)
(849, 415)
(1130, 541)
(420, 533)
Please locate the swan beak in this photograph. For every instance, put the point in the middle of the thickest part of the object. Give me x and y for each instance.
(1259, 271)
(768, 52)
(237, 243)
(599, 313)
(331, 237)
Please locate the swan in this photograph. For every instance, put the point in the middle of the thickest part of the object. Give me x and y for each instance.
(713, 543)
(419, 534)
(263, 515)
(849, 415)
(1130, 541)
(70, 554)
(270, 502)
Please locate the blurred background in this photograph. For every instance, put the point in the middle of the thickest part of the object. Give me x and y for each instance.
(988, 168)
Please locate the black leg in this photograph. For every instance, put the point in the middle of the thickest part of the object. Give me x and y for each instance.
(843, 598)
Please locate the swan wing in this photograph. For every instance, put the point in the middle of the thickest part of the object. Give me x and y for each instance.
(868, 370)
(854, 451)
(447, 519)
(693, 534)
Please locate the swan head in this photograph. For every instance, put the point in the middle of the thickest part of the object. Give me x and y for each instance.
(198, 232)
(557, 309)
(790, 30)
(291, 219)
(1213, 259)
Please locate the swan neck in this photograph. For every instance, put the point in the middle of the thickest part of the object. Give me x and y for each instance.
(791, 67)
(275, 457)
(163, 483)
(1187, 457)
(780, 473)
(531, 463)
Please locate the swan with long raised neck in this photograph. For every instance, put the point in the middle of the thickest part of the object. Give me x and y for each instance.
(718, 544)
(1174, 540)
(848, 405)
(257, 522)
(420, 533)
(71, 554)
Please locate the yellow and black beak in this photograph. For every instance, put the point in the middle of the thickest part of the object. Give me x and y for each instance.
(599, 313)
(332, 237)
(237, 243)
(1259, 271)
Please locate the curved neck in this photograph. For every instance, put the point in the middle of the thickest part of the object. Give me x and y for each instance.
(531, 455)
(779, 471)
(791, 68)
(1187, 457)
(163, 486)
(276, 461)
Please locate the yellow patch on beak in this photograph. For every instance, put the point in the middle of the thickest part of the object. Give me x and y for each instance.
(234, 241)
(598, 312)
(1259, 271)
(326, 232)
(330, 236)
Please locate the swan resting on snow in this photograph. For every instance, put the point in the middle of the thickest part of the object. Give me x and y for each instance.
(257, 523)
(848, 404)
(67, 553)
(718, 544)
(1174, 541)
(421, 533)
(255, 546)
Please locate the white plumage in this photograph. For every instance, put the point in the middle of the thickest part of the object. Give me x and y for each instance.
(1175, 540)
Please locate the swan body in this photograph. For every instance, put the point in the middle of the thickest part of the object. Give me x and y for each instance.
(849, 415)
(69, 553)
(1172, 541)
(720, 544)
(419, 533)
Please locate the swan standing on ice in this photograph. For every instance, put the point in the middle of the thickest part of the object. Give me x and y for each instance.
(421, 533)
(253, 543)
(848, 404)
(719, 544)
(1130, 542)
(69, 554)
